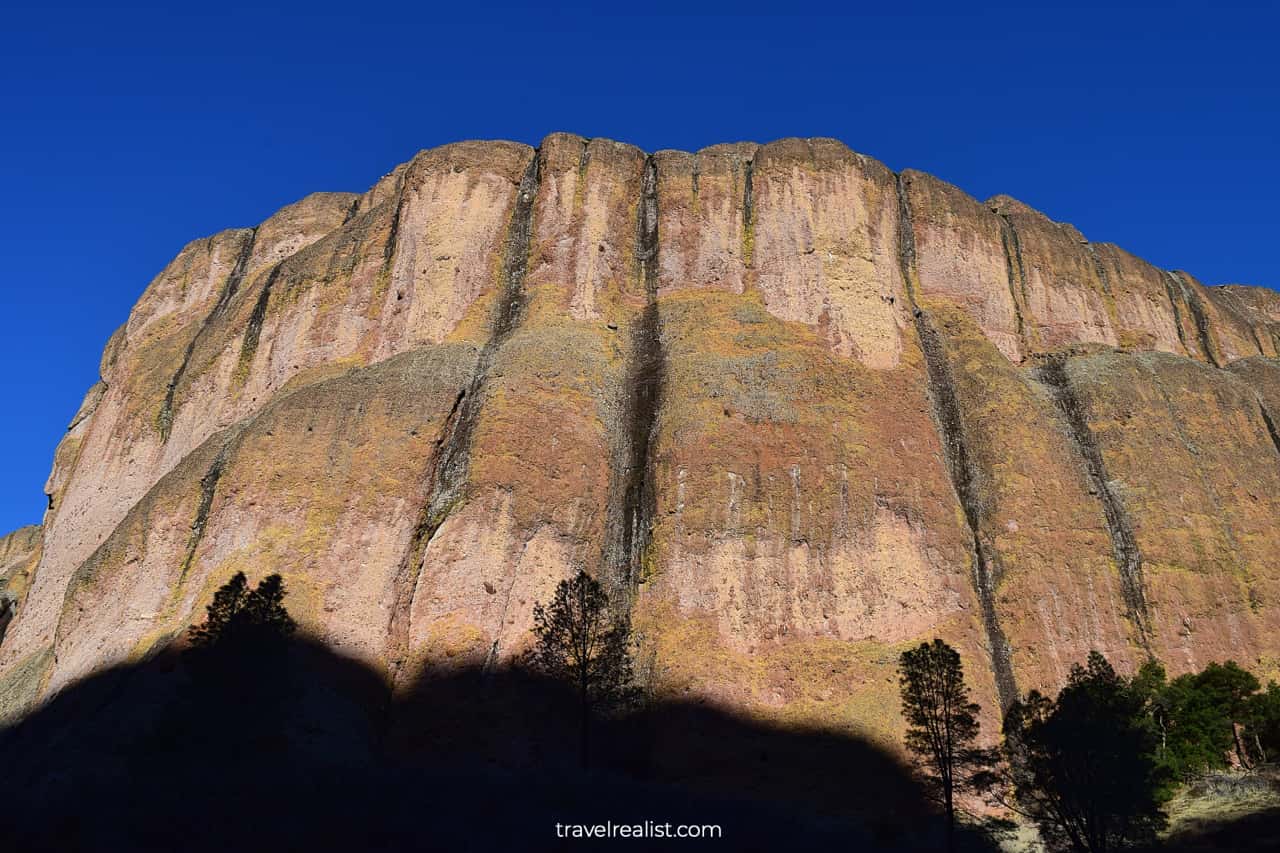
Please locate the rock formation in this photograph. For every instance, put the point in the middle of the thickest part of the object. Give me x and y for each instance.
(797, 410)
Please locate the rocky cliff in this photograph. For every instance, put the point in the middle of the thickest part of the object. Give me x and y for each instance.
(797, 410)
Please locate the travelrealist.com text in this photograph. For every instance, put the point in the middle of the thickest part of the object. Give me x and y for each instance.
(647, 829)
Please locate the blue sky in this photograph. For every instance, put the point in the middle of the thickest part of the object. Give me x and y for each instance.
(128, 130)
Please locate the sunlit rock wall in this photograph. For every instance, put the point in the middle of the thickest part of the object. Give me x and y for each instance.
(796, 410)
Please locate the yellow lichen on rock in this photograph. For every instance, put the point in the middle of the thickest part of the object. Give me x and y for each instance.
(795, 411)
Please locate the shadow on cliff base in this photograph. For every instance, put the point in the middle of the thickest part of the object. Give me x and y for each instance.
(302, 750)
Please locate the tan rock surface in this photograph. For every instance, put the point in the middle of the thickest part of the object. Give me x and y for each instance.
(1255, 312)
(1195, 466)
(1063, 298)
(1147, 315)
(19, 553)
(1058, 588)
(702, 217)
(962, 257)
(797, 411)
(824, 231)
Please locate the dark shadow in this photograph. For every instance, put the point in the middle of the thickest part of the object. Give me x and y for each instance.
(1255, 833)
(307, 753)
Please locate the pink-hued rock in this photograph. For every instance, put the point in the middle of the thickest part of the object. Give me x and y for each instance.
(796, 411)
(1147, 317)
(1255, 311)
(1064, 299)
(116, 448)
(702, 219)
(584, 223)
(825, 246)
(962, 258)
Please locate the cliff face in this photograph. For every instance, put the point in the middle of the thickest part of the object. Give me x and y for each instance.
(797, 410)
(19, 553)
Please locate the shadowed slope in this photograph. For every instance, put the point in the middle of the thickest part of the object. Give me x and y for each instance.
(292, 756)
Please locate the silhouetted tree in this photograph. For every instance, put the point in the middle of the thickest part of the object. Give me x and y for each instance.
(942, 724)
(1084, 765)
(240, 679)
(1264, 721)
(239, 619)
(581, 642)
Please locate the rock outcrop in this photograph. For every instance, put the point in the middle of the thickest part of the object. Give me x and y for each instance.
(797, 410)
(19, 553)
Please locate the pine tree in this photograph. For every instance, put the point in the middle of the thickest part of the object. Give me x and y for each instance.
(1202, 718)
(942, 724)
(240, 676)
(221, 614)
(581, 643)
(238, 619)
(1227, 688)
(1085, 767)
(265, 611)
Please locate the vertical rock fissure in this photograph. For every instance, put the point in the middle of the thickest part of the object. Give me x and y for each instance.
(253, 331)
(393, 233)
(1098, 269)
(748, 213)
(633, 491)
(1017, 256)
(208, 488)
(352, 210)
(1017, 275)
(959, 463)
(236, 278)
(1124, 545)
(164, 421)
(8, 607)
(1257, 340)
(1271, 426)
(1177, 316)
(906, 242)
(447, 473)
(1198, 316)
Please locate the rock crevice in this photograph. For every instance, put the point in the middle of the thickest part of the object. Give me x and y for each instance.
(1203, 335)
(1017, 276)
(253, 329)
(796, 411)
(448, 467)
(208, 489)
(1053, 375)
(633, 491)
(947, 416)
(1271, 426)
(164, 420)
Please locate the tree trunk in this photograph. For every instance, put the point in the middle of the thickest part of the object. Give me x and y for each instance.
(951, 818)
(586, 722)
(1240, 750)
